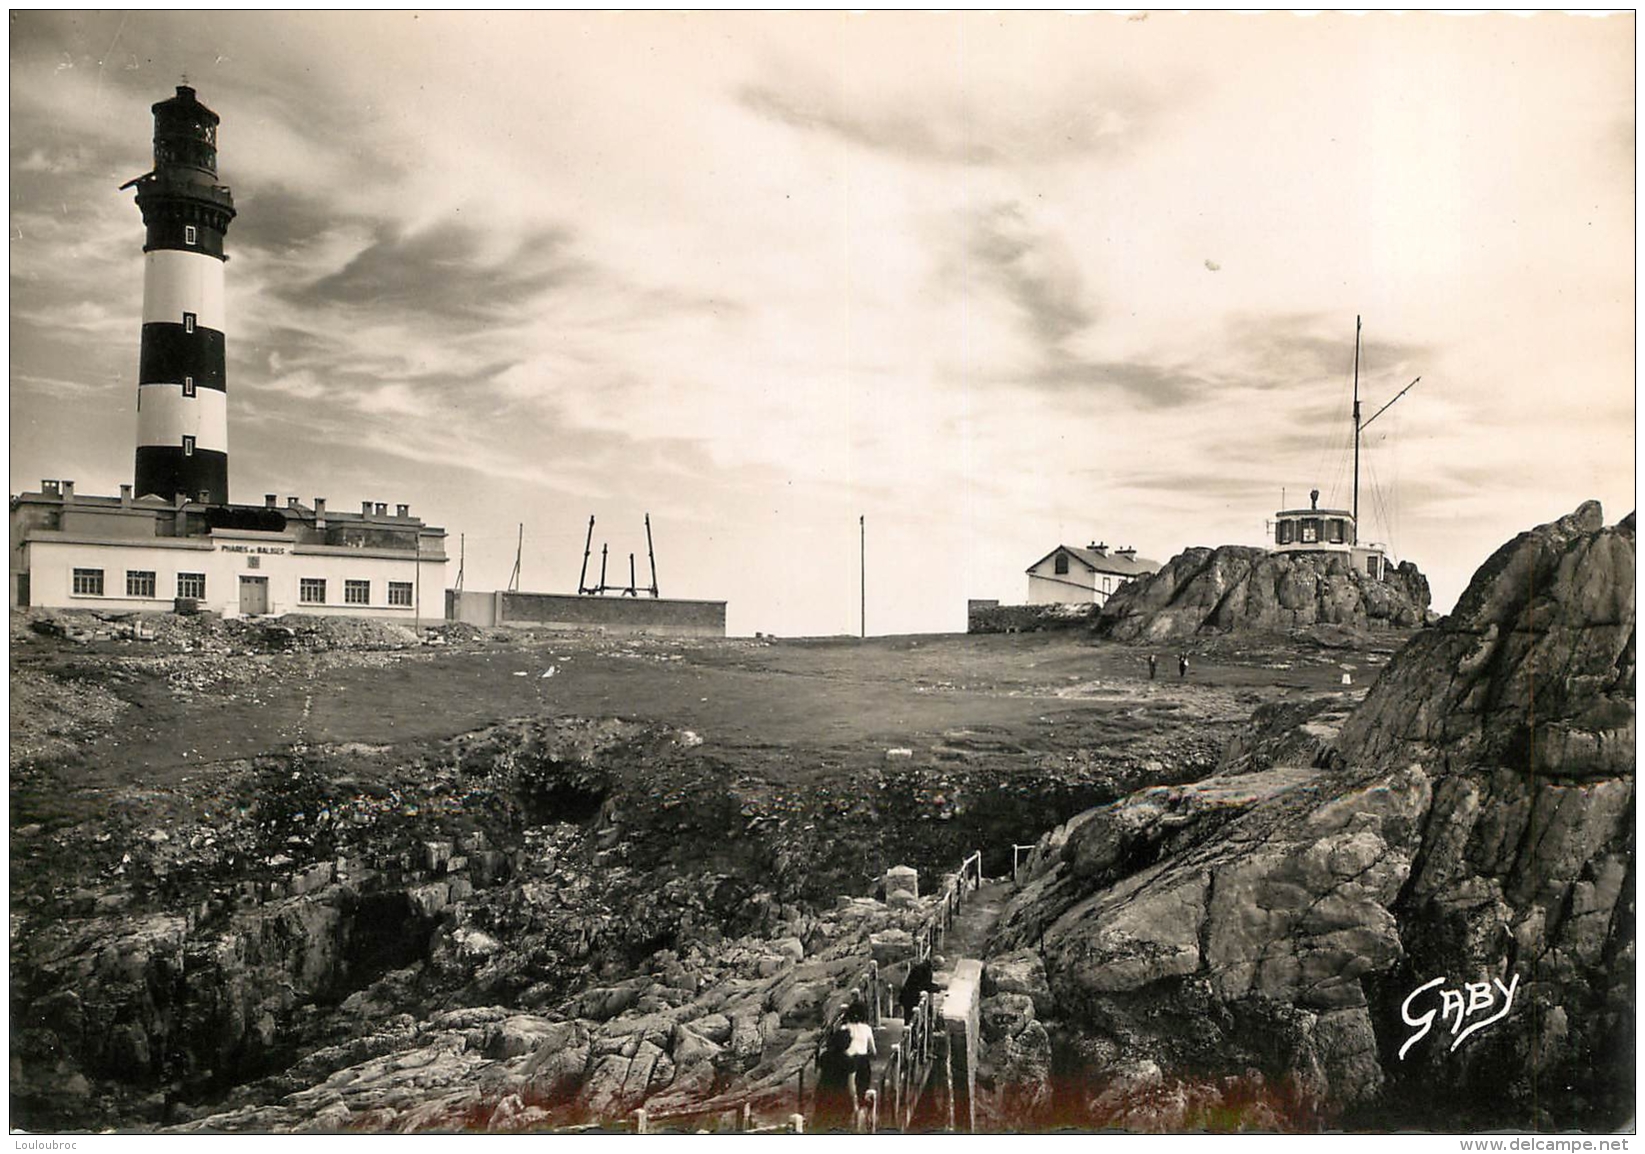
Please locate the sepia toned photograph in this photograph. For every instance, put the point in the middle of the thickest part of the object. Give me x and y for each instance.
(676, 573)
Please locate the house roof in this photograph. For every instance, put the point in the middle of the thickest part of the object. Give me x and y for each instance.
(1102, 562)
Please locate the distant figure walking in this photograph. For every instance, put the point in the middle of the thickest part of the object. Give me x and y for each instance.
(859, 1051)
(1182, 665)
(920, 981)
(1153, 664)
(831, 1109)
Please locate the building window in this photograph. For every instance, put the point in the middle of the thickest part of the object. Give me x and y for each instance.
(399, 592)
(357, 592)
(188, 446)
(88, 582)
(188, 386)
(1336, 530)
(312, 590)
(1062, 564)
(1310, 531)
(188, 322)
(191, 235)
(1282, 533)
(139, 583)
(191, 585)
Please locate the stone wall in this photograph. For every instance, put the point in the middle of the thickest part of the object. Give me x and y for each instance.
(664, 617)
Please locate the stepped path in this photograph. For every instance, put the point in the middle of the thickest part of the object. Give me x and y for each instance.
(975, 921)
(965, 938)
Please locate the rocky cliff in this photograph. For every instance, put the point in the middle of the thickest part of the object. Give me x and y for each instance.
(1428, 924)
(1236, 587)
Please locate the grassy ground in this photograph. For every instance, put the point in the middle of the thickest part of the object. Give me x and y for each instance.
(115, 716)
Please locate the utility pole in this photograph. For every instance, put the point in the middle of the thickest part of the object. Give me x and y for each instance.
(514, 577)
(462, 555)
(1356, 430)
(862, 553)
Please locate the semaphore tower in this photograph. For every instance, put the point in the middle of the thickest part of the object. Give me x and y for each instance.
(182, 397)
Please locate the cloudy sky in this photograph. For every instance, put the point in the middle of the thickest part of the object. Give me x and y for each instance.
(994, 281)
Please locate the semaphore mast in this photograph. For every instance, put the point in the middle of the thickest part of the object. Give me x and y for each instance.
(1361, 427)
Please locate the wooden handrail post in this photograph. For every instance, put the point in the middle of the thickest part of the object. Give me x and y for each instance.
(874, 986)
(896, 1086)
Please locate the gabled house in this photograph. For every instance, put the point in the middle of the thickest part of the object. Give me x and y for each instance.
(1071, 575)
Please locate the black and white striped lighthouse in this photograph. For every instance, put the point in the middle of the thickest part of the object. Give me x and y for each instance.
(182, 397)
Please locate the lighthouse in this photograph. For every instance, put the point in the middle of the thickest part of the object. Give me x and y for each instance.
(182, 397)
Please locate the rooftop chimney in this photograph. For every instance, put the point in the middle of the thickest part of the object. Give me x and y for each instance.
(319, 512)
(125, 495)
(1100, 548)
(382, 508)
(205, 496)
(270, 500)
(68, 491)
(402, 510)
(50, 488)
(1127, 552)
(291, 502)
(365, 508)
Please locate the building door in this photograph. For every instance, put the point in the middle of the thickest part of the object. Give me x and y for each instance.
(253, 595)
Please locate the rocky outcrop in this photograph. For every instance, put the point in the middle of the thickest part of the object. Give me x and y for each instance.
(1237, 588)
(1243, 951)
(1534, 669)
(1029, 618)
(687, 1054)
(1014, 1079)
(1522, 706)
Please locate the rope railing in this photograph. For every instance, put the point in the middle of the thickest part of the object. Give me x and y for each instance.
(928, 939)
(910, 1062)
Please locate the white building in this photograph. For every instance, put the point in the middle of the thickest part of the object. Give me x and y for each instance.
(72, 551)
(1316, 530)
(1071, 575)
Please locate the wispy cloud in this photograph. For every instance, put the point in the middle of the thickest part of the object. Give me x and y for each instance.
(441, 274)
(1033, 271)
(914, 126)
